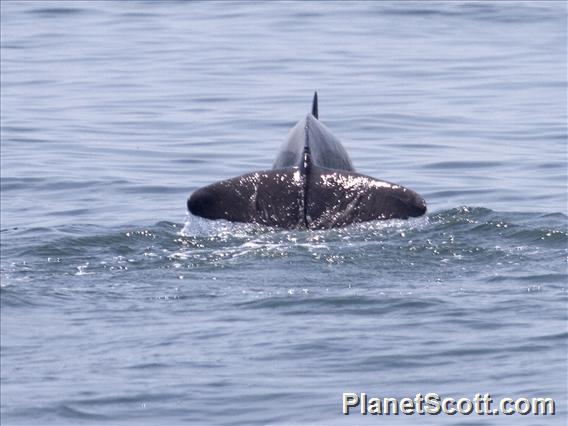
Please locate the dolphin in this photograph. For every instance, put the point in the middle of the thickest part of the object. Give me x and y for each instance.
(312, 185)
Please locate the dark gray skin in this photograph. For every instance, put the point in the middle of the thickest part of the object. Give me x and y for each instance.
(312, 185)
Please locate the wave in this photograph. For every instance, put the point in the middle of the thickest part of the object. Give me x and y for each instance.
(472, 243)
(476, 225)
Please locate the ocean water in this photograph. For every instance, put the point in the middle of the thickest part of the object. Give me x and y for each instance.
(118, 308)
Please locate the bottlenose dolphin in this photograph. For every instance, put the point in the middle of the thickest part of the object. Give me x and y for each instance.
(312, 184)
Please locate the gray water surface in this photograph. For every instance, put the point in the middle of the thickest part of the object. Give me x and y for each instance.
(116, 308)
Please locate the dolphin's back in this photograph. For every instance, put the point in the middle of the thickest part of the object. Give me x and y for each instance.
(324, 148)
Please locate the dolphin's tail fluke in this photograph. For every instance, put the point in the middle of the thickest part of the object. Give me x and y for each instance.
(338, 198)
(288, 199)
(315, 105)
(269, 197)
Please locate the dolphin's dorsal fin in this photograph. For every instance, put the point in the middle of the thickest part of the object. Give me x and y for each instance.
(315, 105)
